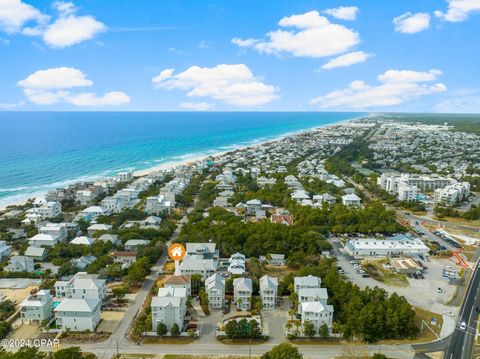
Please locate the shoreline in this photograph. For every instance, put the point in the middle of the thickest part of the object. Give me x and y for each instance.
(172, 164)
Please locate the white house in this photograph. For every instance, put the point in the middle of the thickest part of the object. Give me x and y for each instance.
(268, 291)
(113, 204)
(87, 241)
(242, 293)
(156, 205)
(98, 227)
(134, 244)
(351, 199)
(36, 253)
(312, 299)
(179, 281)
(58, 230)
(43, 240)
(20, 264)
(91, 213)
(237, 264)
(125, 258)
(36, 307)
(215, 288)
(197, 265)
(82, 286)
(78, 314)
(169, 307)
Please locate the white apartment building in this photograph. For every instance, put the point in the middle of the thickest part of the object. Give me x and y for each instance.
(215, 288)
(113, 204)
(452, 194)
(169, 307)
(407, 192)
(36, 307)
(78, 314)
(268, 291)
(242, 293)
(408, 186)
(125, 176)
(82, 286)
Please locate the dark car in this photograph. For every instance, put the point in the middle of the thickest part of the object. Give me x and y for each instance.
(365, 275)
(415, 276)
(420, 275)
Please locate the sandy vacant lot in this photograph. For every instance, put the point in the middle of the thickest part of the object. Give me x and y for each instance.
(24, 331)
(109, 321)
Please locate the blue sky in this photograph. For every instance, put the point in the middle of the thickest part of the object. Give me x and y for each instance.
(240, 55)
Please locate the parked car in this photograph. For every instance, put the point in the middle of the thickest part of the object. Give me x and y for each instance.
(365, 275)
(463, 326)
(420, 275)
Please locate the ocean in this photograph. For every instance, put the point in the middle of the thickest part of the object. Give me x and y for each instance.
(40, 151)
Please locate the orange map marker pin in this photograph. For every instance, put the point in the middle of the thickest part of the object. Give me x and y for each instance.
(176, 251)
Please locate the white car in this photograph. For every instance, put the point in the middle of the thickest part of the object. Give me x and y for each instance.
(447, 312)
(463, 326)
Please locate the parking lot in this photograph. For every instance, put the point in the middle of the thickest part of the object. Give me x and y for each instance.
(431, 293)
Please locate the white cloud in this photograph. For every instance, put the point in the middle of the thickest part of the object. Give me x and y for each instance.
(69, 29)
(395, 88)
(409, 23)
(343, 12)
(11, 105)
(196, 106)
(346, 60)
(459, 10)
(56, 78)
(55, 85)
(89, 99)
(311, 35)
(233, 84)
(14, 14)
(463, 101)
(66, 30)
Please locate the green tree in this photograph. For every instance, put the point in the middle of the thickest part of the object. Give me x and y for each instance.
(308, 329)
(68, 353)
(283, 351)
(323, 331)
(175, 331)
(162, 329)
(120, 292)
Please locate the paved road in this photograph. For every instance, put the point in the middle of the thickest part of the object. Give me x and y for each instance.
(119, 338)
(462, 341)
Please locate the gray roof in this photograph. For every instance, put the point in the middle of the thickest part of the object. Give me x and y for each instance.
(77, 305)
(35, 251)
(243, 284)
(267, 282)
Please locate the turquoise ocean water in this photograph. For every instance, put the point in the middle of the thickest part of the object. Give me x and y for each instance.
(43, 150)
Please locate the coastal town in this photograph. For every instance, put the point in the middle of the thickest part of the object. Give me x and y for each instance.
(359, 237)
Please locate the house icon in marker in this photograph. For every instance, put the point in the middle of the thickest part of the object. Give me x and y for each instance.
(176, 251)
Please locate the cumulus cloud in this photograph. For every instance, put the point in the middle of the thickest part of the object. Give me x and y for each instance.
(343, 12)
(459, 10)
(56, 85)
(196, 106)
(308, 35)
(232, 84)
(409, 23)
(346, 60)
(395, 88)
(66, 30)
(71, 30)
(14, 14)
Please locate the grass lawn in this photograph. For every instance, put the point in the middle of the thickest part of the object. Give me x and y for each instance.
(169, 267)
(242, 341)
(167, 340)
(318, 341)
(185, 356)
(389, 276)
(278, 272)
